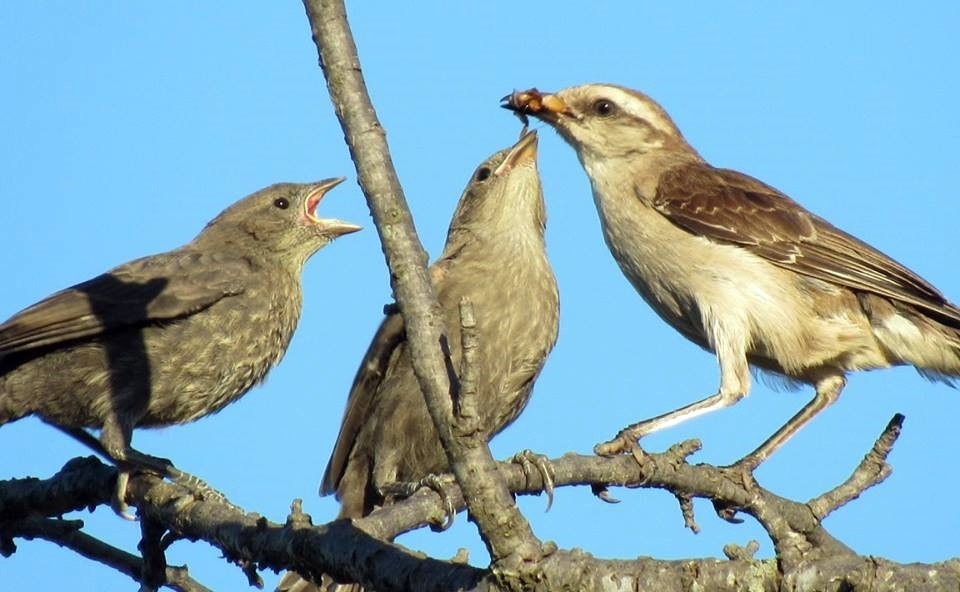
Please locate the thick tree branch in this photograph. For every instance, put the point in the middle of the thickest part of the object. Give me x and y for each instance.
(348, 551)
(505, 531)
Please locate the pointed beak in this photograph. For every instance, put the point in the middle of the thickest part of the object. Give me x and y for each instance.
(328, 226)
(524, 152)
(545, 106)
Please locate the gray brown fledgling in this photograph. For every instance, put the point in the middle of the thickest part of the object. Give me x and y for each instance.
(169, 338)
(738, 267)
(495, 255)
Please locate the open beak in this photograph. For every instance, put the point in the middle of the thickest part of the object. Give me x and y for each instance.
(523, 152)
(328, 226)
(546, 106)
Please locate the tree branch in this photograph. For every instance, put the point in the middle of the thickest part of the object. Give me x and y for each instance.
(506, 533)
(67, 533)
(353, 551)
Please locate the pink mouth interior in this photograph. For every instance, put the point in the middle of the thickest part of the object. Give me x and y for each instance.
(312, 202)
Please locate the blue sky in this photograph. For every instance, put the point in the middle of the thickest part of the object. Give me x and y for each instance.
(126, 127)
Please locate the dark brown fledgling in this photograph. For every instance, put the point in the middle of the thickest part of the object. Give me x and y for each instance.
(169, 338)
(495, 255)
(738, 267)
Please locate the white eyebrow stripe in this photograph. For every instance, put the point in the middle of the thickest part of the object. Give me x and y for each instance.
(638, 107)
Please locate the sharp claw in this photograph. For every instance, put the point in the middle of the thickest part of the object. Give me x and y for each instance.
(603, 494)
(118, 501)
(527, 459)
(727, 513)
(436, 483)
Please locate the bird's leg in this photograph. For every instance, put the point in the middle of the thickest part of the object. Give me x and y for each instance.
(734, 385)
(828, 391)
(437, 483)
(113, 444)
(128, 458)
(530, 461)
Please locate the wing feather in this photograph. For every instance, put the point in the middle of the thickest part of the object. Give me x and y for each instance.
(729, 207)
(152, 289)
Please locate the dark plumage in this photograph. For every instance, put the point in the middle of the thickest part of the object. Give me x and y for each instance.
(173, 337)
(495, 255)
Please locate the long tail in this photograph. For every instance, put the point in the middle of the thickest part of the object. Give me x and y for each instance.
(913, 336)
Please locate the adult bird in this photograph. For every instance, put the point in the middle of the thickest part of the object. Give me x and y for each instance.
(738, 267)
(495, 255)
(172, 337)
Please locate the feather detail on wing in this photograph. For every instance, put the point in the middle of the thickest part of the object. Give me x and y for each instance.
(140, 292)
(730, 207)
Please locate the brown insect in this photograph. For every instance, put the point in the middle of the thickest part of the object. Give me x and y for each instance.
(522, 102)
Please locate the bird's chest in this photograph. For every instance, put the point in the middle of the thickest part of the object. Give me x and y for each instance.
(661, 262)
(516, 305)
(212, 362)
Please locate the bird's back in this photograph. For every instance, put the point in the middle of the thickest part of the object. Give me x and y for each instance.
(165, 339)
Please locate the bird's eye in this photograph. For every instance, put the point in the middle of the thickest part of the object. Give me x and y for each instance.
(603, 108)
(482, 173)
(282, 203)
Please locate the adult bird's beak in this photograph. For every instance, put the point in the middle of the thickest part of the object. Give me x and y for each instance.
(329, 226)
(546, 106)
(523, 152)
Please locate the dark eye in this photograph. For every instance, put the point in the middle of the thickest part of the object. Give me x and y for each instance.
(482, 173)
(282, 203)
(604, 107)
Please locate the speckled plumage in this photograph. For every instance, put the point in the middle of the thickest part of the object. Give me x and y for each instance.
(495, 255)
(173, 337)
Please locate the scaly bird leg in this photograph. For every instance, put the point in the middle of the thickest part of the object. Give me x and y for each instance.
(734, 385)
(129, 459)
(828, 391)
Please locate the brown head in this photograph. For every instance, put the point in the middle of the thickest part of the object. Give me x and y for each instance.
(603, 120)
(503, 191)
(280, 220)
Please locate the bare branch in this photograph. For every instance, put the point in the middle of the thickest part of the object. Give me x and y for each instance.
(67, 533)
(506, 533)
(348, 551)
(467, 417)
(872, 470)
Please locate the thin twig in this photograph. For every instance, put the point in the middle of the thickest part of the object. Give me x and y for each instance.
(872, 470)
(67, 533)
(467, 417)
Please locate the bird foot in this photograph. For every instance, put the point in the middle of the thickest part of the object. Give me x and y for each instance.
(742, 472)
(199, 488)
(437, 483)
(118, 500)
(603, 494)
(626, 441)
(530, 461)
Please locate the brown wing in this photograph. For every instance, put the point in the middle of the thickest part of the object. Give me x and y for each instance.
(157, 288)
(371, 374)
(730, 207)
(363, 392)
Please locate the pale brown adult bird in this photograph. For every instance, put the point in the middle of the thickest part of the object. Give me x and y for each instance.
(495, 255)
(172, 337)
(738, 267)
